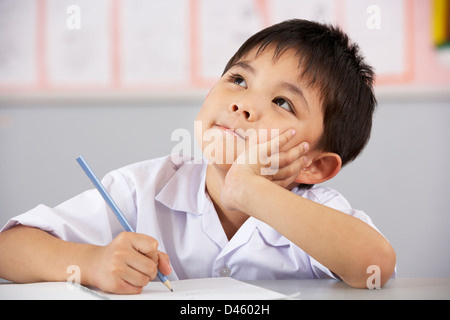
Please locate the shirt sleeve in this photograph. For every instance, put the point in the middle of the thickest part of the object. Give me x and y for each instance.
(333, 199)
(86, 218)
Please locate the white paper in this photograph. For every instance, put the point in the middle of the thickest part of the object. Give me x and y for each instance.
(44, 291)
(193, 289)
(203, 289)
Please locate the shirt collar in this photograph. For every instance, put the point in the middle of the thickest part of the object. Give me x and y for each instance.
(271, 236)
(186, 192)
(186, 189)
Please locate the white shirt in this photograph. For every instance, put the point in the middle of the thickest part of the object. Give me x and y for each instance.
(169, 202)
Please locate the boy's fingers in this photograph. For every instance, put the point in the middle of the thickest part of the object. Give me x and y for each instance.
(284, 138)
(285, 158)
(146, 257)
(147, 247)
(137, 278)
(122, 286)
(145, 265)
(164, 263)
(283, 164)
(289, 172)
(144, 244)
(275, 144)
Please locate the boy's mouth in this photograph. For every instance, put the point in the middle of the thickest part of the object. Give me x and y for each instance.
(229, 131)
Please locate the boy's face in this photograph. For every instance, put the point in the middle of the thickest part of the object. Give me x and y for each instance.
(258, 94)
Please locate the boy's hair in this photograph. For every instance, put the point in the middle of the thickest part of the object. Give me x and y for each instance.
(334, 66)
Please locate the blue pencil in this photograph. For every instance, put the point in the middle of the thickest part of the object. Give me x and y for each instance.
(114, 207)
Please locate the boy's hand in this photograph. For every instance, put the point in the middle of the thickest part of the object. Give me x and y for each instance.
(128, 263)
(271, 160)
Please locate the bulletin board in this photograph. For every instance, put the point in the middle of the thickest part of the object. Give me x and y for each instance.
(176, 46)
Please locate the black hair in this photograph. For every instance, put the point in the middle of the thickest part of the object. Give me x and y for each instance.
(333, 65)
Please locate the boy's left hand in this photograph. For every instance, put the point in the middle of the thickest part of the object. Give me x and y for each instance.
(271, 160)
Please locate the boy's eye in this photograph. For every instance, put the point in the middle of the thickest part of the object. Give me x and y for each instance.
(239, 80)
(283, 103)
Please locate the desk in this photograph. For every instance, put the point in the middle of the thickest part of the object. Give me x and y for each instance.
(414, 289)
(395, 289)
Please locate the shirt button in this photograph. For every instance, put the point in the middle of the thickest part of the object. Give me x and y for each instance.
(225, 272)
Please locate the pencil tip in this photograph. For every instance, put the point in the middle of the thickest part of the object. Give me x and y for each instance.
(171, 290)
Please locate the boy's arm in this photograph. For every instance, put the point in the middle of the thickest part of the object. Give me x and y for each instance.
(124, 266)
(32, 255)
(342, 243)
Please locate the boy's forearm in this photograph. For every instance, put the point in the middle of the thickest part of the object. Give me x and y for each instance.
(32, 255)
(344, 244)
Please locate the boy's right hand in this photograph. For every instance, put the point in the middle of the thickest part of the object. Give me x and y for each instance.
(128, 263)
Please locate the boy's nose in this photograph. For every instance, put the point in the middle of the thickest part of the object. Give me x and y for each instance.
(248, 113)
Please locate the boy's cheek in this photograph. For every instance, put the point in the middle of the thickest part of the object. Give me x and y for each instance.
(198, 131)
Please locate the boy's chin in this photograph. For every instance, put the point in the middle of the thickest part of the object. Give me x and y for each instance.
(220, 157)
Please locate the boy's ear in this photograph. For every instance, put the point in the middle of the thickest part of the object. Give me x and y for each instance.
(324, 166)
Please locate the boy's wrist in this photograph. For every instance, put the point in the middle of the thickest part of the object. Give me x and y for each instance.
(245, 194)
(82, 267)
(90, 265)
(236, 191)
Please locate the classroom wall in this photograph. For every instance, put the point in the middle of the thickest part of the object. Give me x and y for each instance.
(400, 181)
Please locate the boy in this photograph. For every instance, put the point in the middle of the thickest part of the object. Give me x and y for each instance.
(226, 218)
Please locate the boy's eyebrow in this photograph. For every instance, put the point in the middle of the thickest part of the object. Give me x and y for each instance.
(244, 65)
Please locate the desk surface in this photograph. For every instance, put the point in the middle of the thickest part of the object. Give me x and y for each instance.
(395, 289)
